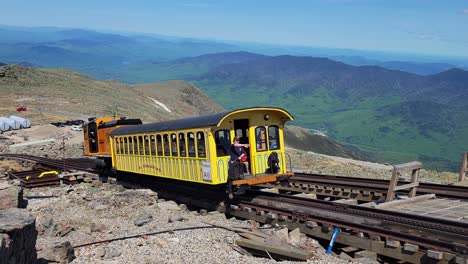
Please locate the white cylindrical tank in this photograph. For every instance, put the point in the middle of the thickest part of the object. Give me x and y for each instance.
(25, 123)
(13, 124)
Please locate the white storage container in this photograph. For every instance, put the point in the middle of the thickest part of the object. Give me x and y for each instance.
(13, 124)
(25, 123)
(4, 126)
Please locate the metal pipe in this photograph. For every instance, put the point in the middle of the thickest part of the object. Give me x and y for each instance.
(332, 240)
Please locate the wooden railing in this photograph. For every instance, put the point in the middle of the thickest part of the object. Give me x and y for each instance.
(463, 168)
(415, 166)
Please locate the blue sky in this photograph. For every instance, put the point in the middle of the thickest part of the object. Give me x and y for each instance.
(414, 26)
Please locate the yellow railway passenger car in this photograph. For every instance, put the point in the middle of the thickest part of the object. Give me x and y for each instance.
(197, 149)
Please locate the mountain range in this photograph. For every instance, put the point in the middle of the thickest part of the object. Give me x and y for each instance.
(397, 116)
(102, 54)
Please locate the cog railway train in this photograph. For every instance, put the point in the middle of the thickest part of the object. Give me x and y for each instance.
(194, 150)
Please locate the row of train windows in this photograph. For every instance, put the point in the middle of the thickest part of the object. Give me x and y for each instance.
(264, 141)
(169, 145)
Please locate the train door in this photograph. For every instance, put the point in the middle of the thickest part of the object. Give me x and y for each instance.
(241, 129)
(92, 137)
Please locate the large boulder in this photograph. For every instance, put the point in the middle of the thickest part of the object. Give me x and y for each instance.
(18, 236)
(11, 196)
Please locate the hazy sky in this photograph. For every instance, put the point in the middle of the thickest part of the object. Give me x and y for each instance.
(422, 26)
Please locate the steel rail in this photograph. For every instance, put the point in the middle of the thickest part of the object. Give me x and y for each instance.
(377, 185)
(84, 164)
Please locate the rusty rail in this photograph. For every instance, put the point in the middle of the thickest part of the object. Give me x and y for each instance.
(300, 181)
(46, 171)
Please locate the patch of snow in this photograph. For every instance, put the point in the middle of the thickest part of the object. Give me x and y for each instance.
(159, 104)
(320, 133)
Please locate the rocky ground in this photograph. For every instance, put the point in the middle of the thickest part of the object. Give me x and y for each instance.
(126, 219)
(88, 213)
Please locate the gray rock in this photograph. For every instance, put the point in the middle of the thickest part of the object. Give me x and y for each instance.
(183, 207)
(144, 217)
(113, 253)
(168, 205)
(49, 226)
(97, 228)
(203, 212)
(297, 237)
(100, 252)
(58, 253)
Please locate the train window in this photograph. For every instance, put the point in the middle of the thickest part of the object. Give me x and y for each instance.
(152, 145)
(139, 141)
(120, 146)
(273, 136)
(260, 138)
(191, 144)
(125, 145)
(243, 134)
(223, 142)
(147, 145)
(201, 145)
(116, 145)
(166, 145)
(159, 145)
(182, 145)
(130, 145)
(174, 147)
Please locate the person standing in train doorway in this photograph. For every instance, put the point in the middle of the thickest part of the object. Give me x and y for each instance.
(236, 163)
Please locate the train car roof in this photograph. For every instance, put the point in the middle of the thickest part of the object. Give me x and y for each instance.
(194, 122)
(112, 122)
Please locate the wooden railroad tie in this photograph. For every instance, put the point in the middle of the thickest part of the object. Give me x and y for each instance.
(464, 167)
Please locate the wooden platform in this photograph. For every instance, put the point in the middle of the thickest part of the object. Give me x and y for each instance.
(261, 178)
(455, 210)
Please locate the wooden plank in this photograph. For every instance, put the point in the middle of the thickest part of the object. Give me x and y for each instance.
(406, 186)
(369, 204)
(409, 165)
(278, 250)
(406, 201)
(347, 201)
(263, 178)
(392, 184)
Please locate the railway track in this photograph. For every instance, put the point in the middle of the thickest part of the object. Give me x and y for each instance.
(46, 171)
(82, 164)
(363, 189)
(392, 233)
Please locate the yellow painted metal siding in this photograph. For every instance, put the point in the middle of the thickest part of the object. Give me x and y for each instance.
(137, 157)
(258, 160)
